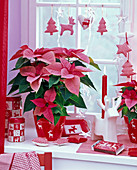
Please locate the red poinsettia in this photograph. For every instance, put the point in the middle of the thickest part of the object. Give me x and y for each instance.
(130, 98)
(44, 105)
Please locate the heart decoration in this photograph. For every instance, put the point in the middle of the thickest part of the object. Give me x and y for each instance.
(84, 22)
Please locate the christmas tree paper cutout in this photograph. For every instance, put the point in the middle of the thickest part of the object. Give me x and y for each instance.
(102, 26)
(51, 28)
(127, 69)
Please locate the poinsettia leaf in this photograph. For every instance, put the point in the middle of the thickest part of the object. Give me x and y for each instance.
(59, 99)
(65, 93)
(22, 62)
(78, 63)
(56, 119)
(39, 117)
(129, 88)
(121, 107)
(29, 105)
(53, 80)
(56, 110)
(131, 115)
(40, 92)
(64, 112)
(86, 80)
(67, 103)
(23, 88)
(94, 64)
(29, 89)
(19, 79)
(11, 81)
(125, 110)
(77, 101)
(13, 89)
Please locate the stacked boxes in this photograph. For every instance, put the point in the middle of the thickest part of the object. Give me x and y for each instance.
(13, 109)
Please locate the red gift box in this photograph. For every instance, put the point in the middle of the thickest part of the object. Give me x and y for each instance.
(16, 129)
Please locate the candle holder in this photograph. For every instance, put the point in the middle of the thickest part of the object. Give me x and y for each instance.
(106, 127)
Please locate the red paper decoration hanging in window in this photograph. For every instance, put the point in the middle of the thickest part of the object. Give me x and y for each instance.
(102, 26)
(51, 28)
(68, 27)
(127, 69)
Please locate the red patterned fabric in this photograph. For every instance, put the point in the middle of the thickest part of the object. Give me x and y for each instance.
(3, 67)
(26, 161)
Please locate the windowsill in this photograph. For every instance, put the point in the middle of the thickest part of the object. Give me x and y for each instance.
(68, 152)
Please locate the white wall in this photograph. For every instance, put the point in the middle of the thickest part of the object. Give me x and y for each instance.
(14, 41)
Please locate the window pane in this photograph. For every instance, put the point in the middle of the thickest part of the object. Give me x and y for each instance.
(47, 40)
(101, 46)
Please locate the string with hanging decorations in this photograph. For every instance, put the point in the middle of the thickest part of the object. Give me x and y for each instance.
(85, 22)
(127, 68)
(51, 28)
(102, 24)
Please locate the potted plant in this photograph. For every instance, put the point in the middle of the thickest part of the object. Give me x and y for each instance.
(129, 107)
(51, 78)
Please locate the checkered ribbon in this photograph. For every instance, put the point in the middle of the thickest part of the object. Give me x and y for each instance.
(26, 161)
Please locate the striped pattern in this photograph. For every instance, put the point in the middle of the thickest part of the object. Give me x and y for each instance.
(26, 161)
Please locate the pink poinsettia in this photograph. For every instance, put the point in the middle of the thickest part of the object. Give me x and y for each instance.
(48, 57)
(44, 105)
(35, 75)
(25, 52)
(130, 98)
(70, 73)
(29, 54)
(64, 52)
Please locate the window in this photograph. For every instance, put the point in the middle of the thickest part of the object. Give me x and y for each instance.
(101, 48)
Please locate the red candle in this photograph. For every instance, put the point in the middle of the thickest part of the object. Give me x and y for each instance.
(104, 90)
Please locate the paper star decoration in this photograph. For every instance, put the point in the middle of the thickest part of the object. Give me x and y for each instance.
(121, 18)
(60, 12)
(123, 49)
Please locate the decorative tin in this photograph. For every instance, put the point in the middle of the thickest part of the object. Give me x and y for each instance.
(16, 129)
(13, 109)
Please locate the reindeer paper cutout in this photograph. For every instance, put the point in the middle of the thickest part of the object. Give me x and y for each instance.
(68, 27)
(107, 127)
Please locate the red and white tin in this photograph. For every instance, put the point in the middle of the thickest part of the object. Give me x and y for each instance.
(13, 109)
(16, 129)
